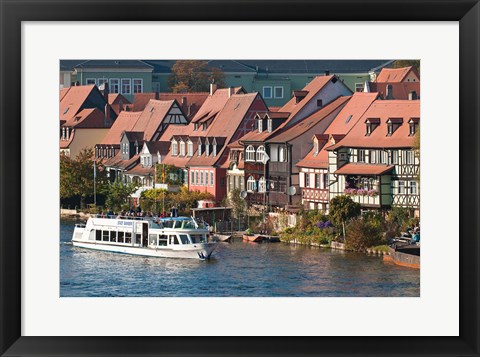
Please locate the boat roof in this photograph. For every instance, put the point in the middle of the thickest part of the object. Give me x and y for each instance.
(175, 218)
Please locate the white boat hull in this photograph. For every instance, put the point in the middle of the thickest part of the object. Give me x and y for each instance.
(195, 251)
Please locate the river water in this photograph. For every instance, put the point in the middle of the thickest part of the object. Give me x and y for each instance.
(236, 269)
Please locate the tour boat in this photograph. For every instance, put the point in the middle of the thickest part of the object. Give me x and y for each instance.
(179, 237)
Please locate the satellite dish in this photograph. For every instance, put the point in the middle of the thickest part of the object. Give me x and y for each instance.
(292, 190)
(243, 194)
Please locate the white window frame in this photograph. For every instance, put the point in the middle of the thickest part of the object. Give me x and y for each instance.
(260, 153)
(250, 184)
(260, 125)
(190, 149)
(275, 92)
(250, 154)
(182, 148)
(101, 81)
(282, 155)
(174, 148)
(269, 125)
(262, 185)
(401, 187)
(192, 177)
(202, 175)
(413, 187)
(271, 92)
(90, 79)
(129, 85)
(134, 85)
(111, 85)
(211, 178)
(359, 86)
(409, 157)
(394, 157)
(214, 150)
(361, 155)
(199, 149)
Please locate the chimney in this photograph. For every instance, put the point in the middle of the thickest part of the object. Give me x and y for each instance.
(327, 72)
(389, 92)
(105, 91)
(107, 115)
(412, 95)
(213, 88)
(231, 91)
(184, 102)
(157, 96)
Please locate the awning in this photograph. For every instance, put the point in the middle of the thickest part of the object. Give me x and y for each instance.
(364, 169)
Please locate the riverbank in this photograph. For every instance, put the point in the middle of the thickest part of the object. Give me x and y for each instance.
(73, 213)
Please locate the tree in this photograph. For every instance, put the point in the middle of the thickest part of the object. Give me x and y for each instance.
(169, 174)
(117, 194)
(194, 76)
(363, 233)
(407, 63)
(236, 202)
(342, 209)
(77, 176)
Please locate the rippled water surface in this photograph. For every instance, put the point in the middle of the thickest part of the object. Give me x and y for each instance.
(236, 269)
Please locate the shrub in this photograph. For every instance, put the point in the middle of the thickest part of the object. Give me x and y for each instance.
(363, 234)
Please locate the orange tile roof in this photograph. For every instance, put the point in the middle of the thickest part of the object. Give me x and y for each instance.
(215, 102)
(312, 88)
(73, 100)
(383, 110)
(288, 134)
(88, 118)
(117, 102)
(141, 170)
(63, 91)
(363, 169)
(151, 117)
(392, 75)
(124, 122)
(399, 90)
(193, 100)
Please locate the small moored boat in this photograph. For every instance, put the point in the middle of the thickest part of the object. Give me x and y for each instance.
(179, 237)
(222, 237)
(257, 238)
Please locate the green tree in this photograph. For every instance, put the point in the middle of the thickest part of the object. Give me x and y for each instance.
(117, 194)
(363, 233)
(194, 76)
(236, 202)
(342, 209)
(76, 176)
(169, 174)
(407, 63)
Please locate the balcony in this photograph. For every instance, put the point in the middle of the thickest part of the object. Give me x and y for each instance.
(315, 194)
(278, 167)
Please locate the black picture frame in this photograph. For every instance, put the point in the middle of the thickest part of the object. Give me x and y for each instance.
(13, 12)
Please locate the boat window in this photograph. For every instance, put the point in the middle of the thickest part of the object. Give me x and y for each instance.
(98, 235)
(184, 239)
(120, 237)
(105, 236)
(138, 238)
(188, 224)
(162, 240)
(113, 236)
(128, 237)
(152, 239)
(174, 240)
(168, 224)
(197, 238)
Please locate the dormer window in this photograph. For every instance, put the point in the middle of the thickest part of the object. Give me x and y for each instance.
(204, 126)
(413, 122)
(393, 124)
(182, 148)
(269, 125)
(174, 148)
(190, 149)
(315, 147)
(195, 126)
(199, 148)
(214, 147)
(371, 124)
(207, 148)
(260, 125)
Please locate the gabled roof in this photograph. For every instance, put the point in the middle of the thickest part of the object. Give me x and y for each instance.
(288, 134)
(124, 122)
(383, 110)
(151, 117)
(392, 75)
(73, 100)
(193, 100)
(214, 103)
(117, 162)
(399, 90)
(134, 136)
(157, 146)
(88, 118)
(114, 64)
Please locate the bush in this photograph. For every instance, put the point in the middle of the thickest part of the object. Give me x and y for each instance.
(363, 234)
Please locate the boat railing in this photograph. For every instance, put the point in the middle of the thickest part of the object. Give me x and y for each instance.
(80, 225)
(115, 216)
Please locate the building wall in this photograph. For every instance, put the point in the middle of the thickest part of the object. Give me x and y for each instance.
(145, 76)
(86, 138)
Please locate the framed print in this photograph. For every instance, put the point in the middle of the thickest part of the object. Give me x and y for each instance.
(294, 101)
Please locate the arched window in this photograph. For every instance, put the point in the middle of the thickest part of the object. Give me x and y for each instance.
(262, 185)
(174, 148)
(199, 148)
(182, 148)
(260, 153)
(190, 148)
(250, 155)
(251, 184)
(281, 154)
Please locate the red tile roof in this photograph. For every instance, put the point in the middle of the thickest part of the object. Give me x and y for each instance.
(189, 102)
(392, 75)
(288, 134)
(363, 169)
(124, 122)
(312, 88)
(63, 91)
(383, 110)
(73, 100)
(151, 117)
(88, 118)
(399, 90)
(117, 102)
(117, 162)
